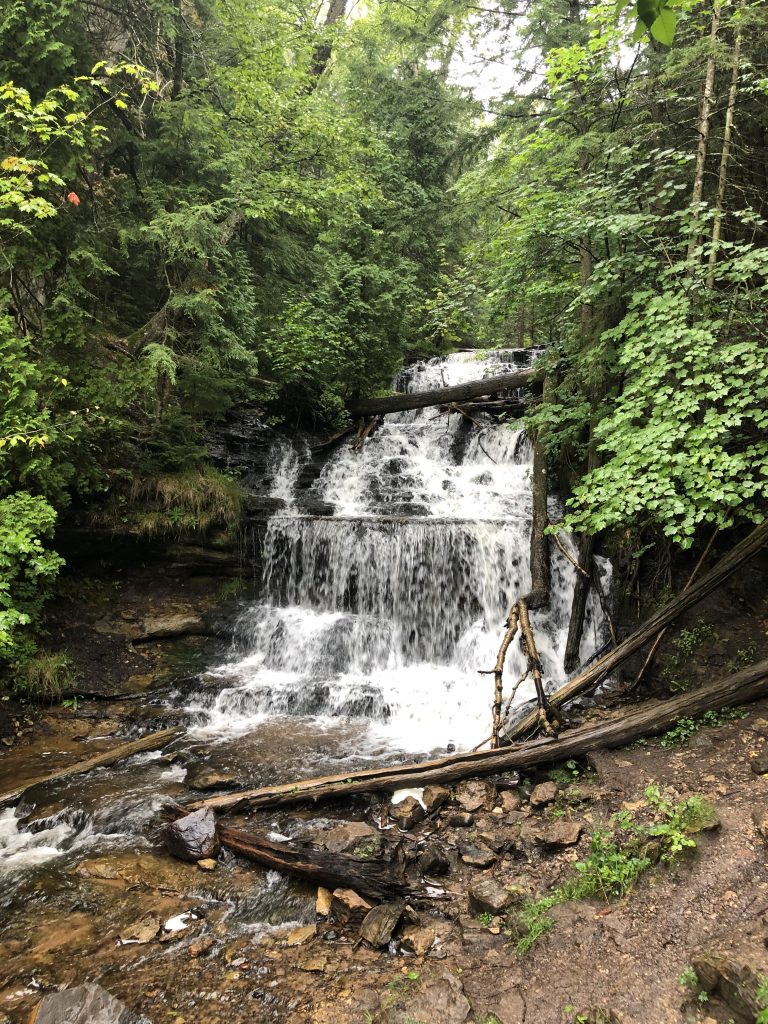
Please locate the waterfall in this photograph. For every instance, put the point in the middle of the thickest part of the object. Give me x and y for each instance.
(385, 610)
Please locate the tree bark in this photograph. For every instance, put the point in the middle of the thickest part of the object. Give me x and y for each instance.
(442, 396)
(703, 130)
(648, 719)
(687, 599)
(579, 603)
(153, 741)
(538, 597)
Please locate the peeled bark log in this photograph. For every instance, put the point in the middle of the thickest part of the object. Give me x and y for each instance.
(685, 600)
(648, 719)
(153, 741)
(442, 396)
(376, 878)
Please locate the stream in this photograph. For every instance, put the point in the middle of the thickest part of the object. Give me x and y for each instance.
(363, 646)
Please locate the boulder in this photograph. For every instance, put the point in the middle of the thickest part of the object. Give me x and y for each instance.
(434, 797)
(347, 907)
(418, 939)
(759, 764)
(460, 819)
(543, 794)
(193, 837)
(323, 902)
(511, 801)
(440, 999)
(301, 935)
(86, 1004)
(475, 795)
(353, 837)
(205, 780)
(380, 922)
(558, 833)
(436, 859)
(488, 896)
(169, 627)
(476, 854)
(407, 813)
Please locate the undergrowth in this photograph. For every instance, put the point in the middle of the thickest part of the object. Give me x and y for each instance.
(618, 856)
(44, 678)
(684, 728)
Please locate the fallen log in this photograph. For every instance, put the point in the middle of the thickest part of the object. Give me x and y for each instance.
(442, 396)
(647, 719)
(153, 741)
(371, 877)
(597, 672)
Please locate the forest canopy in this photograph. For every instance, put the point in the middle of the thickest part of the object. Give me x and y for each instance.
(209, 204)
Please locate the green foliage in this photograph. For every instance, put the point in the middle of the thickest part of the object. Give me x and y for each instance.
(684, 728)
(45, 677)
(762, 997)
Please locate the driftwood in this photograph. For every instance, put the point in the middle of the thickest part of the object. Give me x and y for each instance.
(597, 672)
(153, 741)
(647, 719)
(370, 877)
(442, 396)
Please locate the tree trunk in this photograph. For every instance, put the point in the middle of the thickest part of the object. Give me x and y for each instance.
(538, 597)
(579, 603)
(337, 9)
(441, 396)
(703, 129)
(724, 157)
(648, 719)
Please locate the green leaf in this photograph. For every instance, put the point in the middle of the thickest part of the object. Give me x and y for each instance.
(664, 26)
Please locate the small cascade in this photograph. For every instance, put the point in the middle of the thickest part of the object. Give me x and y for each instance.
(384, 610)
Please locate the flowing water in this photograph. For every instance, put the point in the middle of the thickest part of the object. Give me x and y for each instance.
(370, 628)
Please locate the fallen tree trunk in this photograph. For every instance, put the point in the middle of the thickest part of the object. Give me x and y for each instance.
(647, 719)
(684, 600)
(377, 878)
(442, 396)
(153, 741)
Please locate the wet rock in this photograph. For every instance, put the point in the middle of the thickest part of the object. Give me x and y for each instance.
(193, 837)
(436, 859)
(543, 794)
(353, 837)
(460, 819)
(201, 946)
(379, 923)
(207, 864)
(301, 935)
(475, 795)
(323, 902)
(418, 940)
(434, 797)
(86, 1004)
(759, 764)
(489, 896)
(496, 841)
(206, 779)
(407, 813)
(142, 932)
(440, 999)
(476, 854)
(511, 801)
(347, 907)
(169, 627)
(559, 833)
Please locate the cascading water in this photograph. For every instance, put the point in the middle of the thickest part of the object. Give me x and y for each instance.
(385, 610)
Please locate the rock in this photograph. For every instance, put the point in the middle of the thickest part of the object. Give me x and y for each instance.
(760, 726)
(201, 946)
(169, 627)
(379, 923)
(760, 818)
(475, 795)
(302, 935)
(707, 821)
(207, 864)
(435, 796)
(418, 940)
(347, 907)
(496, 841)
(759, 764)
(142, 932)
(543, 794)
(436, 859)
(488, 896)
(440, 1000)
(511, 801)
(558, 833)
(407, 813)
(86, 1004)
(460, 819)
(206, 779)
(193, 837)
(476, 854)
(354, 837)
(323, 902)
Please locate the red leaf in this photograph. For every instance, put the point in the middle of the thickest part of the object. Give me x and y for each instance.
(73, 198)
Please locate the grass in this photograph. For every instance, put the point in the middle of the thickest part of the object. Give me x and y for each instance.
(619, 855)
(45, 677)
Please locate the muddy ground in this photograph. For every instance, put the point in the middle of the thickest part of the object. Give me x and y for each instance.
(257, 950)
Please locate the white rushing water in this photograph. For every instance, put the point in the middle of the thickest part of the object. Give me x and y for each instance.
(385, 610)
